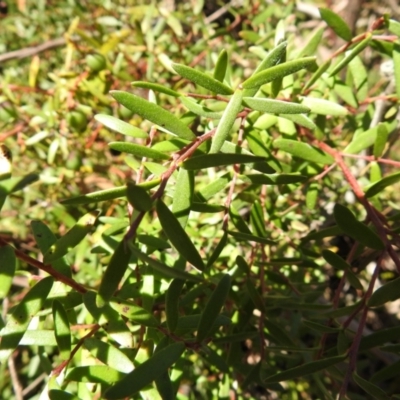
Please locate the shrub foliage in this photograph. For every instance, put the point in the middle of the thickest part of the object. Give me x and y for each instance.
(224, 225)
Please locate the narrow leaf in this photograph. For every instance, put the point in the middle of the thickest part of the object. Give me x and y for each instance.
(22, 315)
(183, 196)
(305, 369)
(138, 150)
(274, 106)
(362, 141)
(138, 197)
(163, 269)
(154, 114)
(95, 374)
(218, 160)
(7, 269)
(62, 330)
(324, 107)
(303, 150)
(279, 71)
(107, 194)
(355, 229)
(147, 372)
(274, 57)
(114, 273)
(388, 292)
(226, 123)
(396, 66)
(351, 54)
(177, 236)
(300, 119)
(379, 186)
(245, 237)
(337, 262)
(372, 390)
(133, 312)
(202, 79)
(381, 140)
(72, 238)
(156, 87)
(337, 23)
(45, 238)
(213, 307)
(119, 126)
(172, 303)
(199, 109)
(221, 65)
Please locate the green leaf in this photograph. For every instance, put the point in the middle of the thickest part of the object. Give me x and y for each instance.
(300, 119)
(338, 262)
(163, 269)
(138, 197)
(396, 66)
(245, 237)
(312, 45)
(57, 394)
(357, 230)
(172, 303)
(278, 71)
(119, 126)
(133, 312)
(183, 196)
(362, 141)
(218, 160)
(274, 106)
(377, 187)
(45, 238)
(221, 65)
(213, 307)
(274, 57)
(303, 150)
(337, 24)
(371, 389)
(95, 374)
(379, 338)
(324, 107)
(388, 292)
(274, 179)
(114, 272)
(156, 87)
(154, 114)
(226, 123)
(147, 372)
(39, 337)
(351, 54)
(72, 238)
(305, 369)
(202, 79)
(61, 330)
(22, 315)
(177, 236)
(94, 197)
(199, 109)
(317, 74)
(381, 140)
(108, 194)
(7, 269)
(138, 150)
(218, 250)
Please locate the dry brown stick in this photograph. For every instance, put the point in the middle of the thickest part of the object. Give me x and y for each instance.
(31, 51)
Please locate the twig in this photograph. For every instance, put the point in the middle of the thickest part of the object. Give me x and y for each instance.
(47, 268)
(16, 384)
(31, 51)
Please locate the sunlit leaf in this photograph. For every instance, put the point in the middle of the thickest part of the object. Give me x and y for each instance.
(147, 372)
(202, 79)
(153, 113)
(336, 22)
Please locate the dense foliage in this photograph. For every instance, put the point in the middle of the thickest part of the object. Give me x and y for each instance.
(200, 207)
